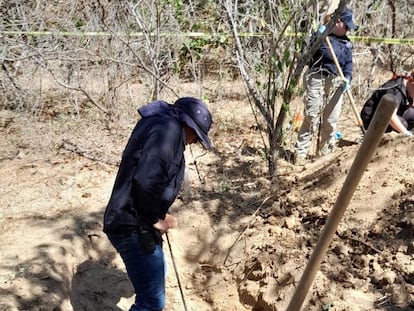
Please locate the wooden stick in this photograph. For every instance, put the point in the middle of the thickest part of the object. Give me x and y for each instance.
(348, 92)
(371, 140)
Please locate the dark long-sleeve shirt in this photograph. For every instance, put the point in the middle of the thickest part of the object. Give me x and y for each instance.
(151, 171)
(322, 60)
(393, 87)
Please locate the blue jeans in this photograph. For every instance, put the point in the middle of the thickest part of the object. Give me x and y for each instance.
(145, 271)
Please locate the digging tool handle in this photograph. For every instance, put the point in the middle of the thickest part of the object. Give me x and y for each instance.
(348, 92)
(176, 273)
(371, 140)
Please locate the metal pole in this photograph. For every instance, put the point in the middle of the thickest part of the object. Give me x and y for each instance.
(371, 140)
(176, 272)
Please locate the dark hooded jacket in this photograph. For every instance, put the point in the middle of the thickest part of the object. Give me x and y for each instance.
(151, 170)
(323, 61)
(393, 87)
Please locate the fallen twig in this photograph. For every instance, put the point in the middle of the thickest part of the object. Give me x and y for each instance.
(72, 147)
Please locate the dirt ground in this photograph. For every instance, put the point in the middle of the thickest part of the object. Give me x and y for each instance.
(241, 243)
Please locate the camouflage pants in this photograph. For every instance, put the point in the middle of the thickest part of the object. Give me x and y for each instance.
(322, 109)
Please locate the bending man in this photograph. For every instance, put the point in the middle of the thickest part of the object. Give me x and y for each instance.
(148, 181)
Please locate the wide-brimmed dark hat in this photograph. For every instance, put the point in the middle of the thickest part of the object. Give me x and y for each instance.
(348, 19)
(195, 114)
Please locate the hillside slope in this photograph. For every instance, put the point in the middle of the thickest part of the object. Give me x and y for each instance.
(240, 245)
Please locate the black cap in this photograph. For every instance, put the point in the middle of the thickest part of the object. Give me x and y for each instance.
(196, 115)
(348, 19)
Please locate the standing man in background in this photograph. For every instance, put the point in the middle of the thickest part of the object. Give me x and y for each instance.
(322, 105)
(148, 181)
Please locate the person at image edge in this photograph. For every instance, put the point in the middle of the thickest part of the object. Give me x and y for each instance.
(402, 88)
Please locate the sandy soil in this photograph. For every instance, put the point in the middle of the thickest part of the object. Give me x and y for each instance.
(241, 244)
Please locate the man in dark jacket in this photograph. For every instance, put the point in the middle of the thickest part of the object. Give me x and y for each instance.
(322, 105)
(148, 181)
(402, 88)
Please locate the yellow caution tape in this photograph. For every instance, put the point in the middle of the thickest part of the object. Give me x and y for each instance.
(396, 41)
(102, 34)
